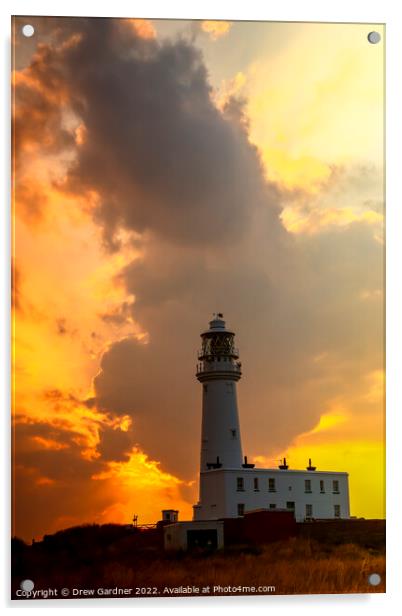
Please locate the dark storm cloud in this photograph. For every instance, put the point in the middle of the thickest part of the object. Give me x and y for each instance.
(61, 460)
(157, 150)
(115, 444)
(166, 162)
(40, 93)
(52, 481)
(133, 381)
(54, 485)
(53, 445)
(119, 315)
(286, 314)
(46, 508)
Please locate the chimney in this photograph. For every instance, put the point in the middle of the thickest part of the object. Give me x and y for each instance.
(309, 467)
(246, 464)
(284, 466)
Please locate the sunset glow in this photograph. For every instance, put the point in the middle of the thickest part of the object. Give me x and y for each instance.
(158, 179)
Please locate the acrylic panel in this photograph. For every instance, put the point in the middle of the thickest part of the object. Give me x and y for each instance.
(198, 308)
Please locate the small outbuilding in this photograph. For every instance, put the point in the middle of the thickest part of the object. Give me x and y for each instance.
(193, 535)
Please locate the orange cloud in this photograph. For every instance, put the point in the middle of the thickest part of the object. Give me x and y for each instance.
(44, 481)
(141, 480)
(80, 134)
(69, 434)
(142, 27)
(48, 443)
(216, 29)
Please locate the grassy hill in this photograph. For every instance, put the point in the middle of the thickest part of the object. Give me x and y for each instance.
(321, 559)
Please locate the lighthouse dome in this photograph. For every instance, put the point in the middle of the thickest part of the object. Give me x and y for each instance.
(217, 324)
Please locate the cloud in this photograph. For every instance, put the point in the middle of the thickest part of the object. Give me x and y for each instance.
(40, 99)
(59, 485)
(179, 175)
(63, 327)
(286, 312)
(143, 28)
(348, 195)
(59, 464)
(132, 381)
(119, 315)
(115, 444)
(168, 161)
(216, 29)
(31, 198)
(311, 110)
(16, 286)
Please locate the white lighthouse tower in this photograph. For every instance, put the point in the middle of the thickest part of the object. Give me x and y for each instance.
(218, 370)
(231, 487)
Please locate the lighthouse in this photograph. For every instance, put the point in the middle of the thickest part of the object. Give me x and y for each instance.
(218, 371)
(231, 487)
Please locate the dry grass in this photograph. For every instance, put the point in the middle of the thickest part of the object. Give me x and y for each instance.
(296, 566)
(108, 557)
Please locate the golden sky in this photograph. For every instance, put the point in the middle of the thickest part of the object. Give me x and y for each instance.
(165, 170)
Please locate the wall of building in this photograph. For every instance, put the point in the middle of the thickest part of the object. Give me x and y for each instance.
(220, 495)
(175, 535)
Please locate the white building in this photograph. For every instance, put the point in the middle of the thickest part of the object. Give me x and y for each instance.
(229, 486)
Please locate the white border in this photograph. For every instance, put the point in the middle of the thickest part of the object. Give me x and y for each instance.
(381, 11)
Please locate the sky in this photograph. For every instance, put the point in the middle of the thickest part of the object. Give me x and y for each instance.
(162, 171)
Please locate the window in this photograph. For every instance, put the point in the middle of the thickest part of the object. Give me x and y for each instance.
(205, 388)
(271, 485)
(290, 505)
(307, 486)
(337, 511)
(240, 509)
(272, 506)
(240, 484)
(309, 511)
(322, 487)
(256, 488)
(335, 486)
(234, 433)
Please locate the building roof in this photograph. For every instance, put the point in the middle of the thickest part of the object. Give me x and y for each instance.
(275, 471)
(217, 325)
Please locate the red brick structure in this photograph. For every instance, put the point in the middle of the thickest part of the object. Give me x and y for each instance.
(260, 526)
